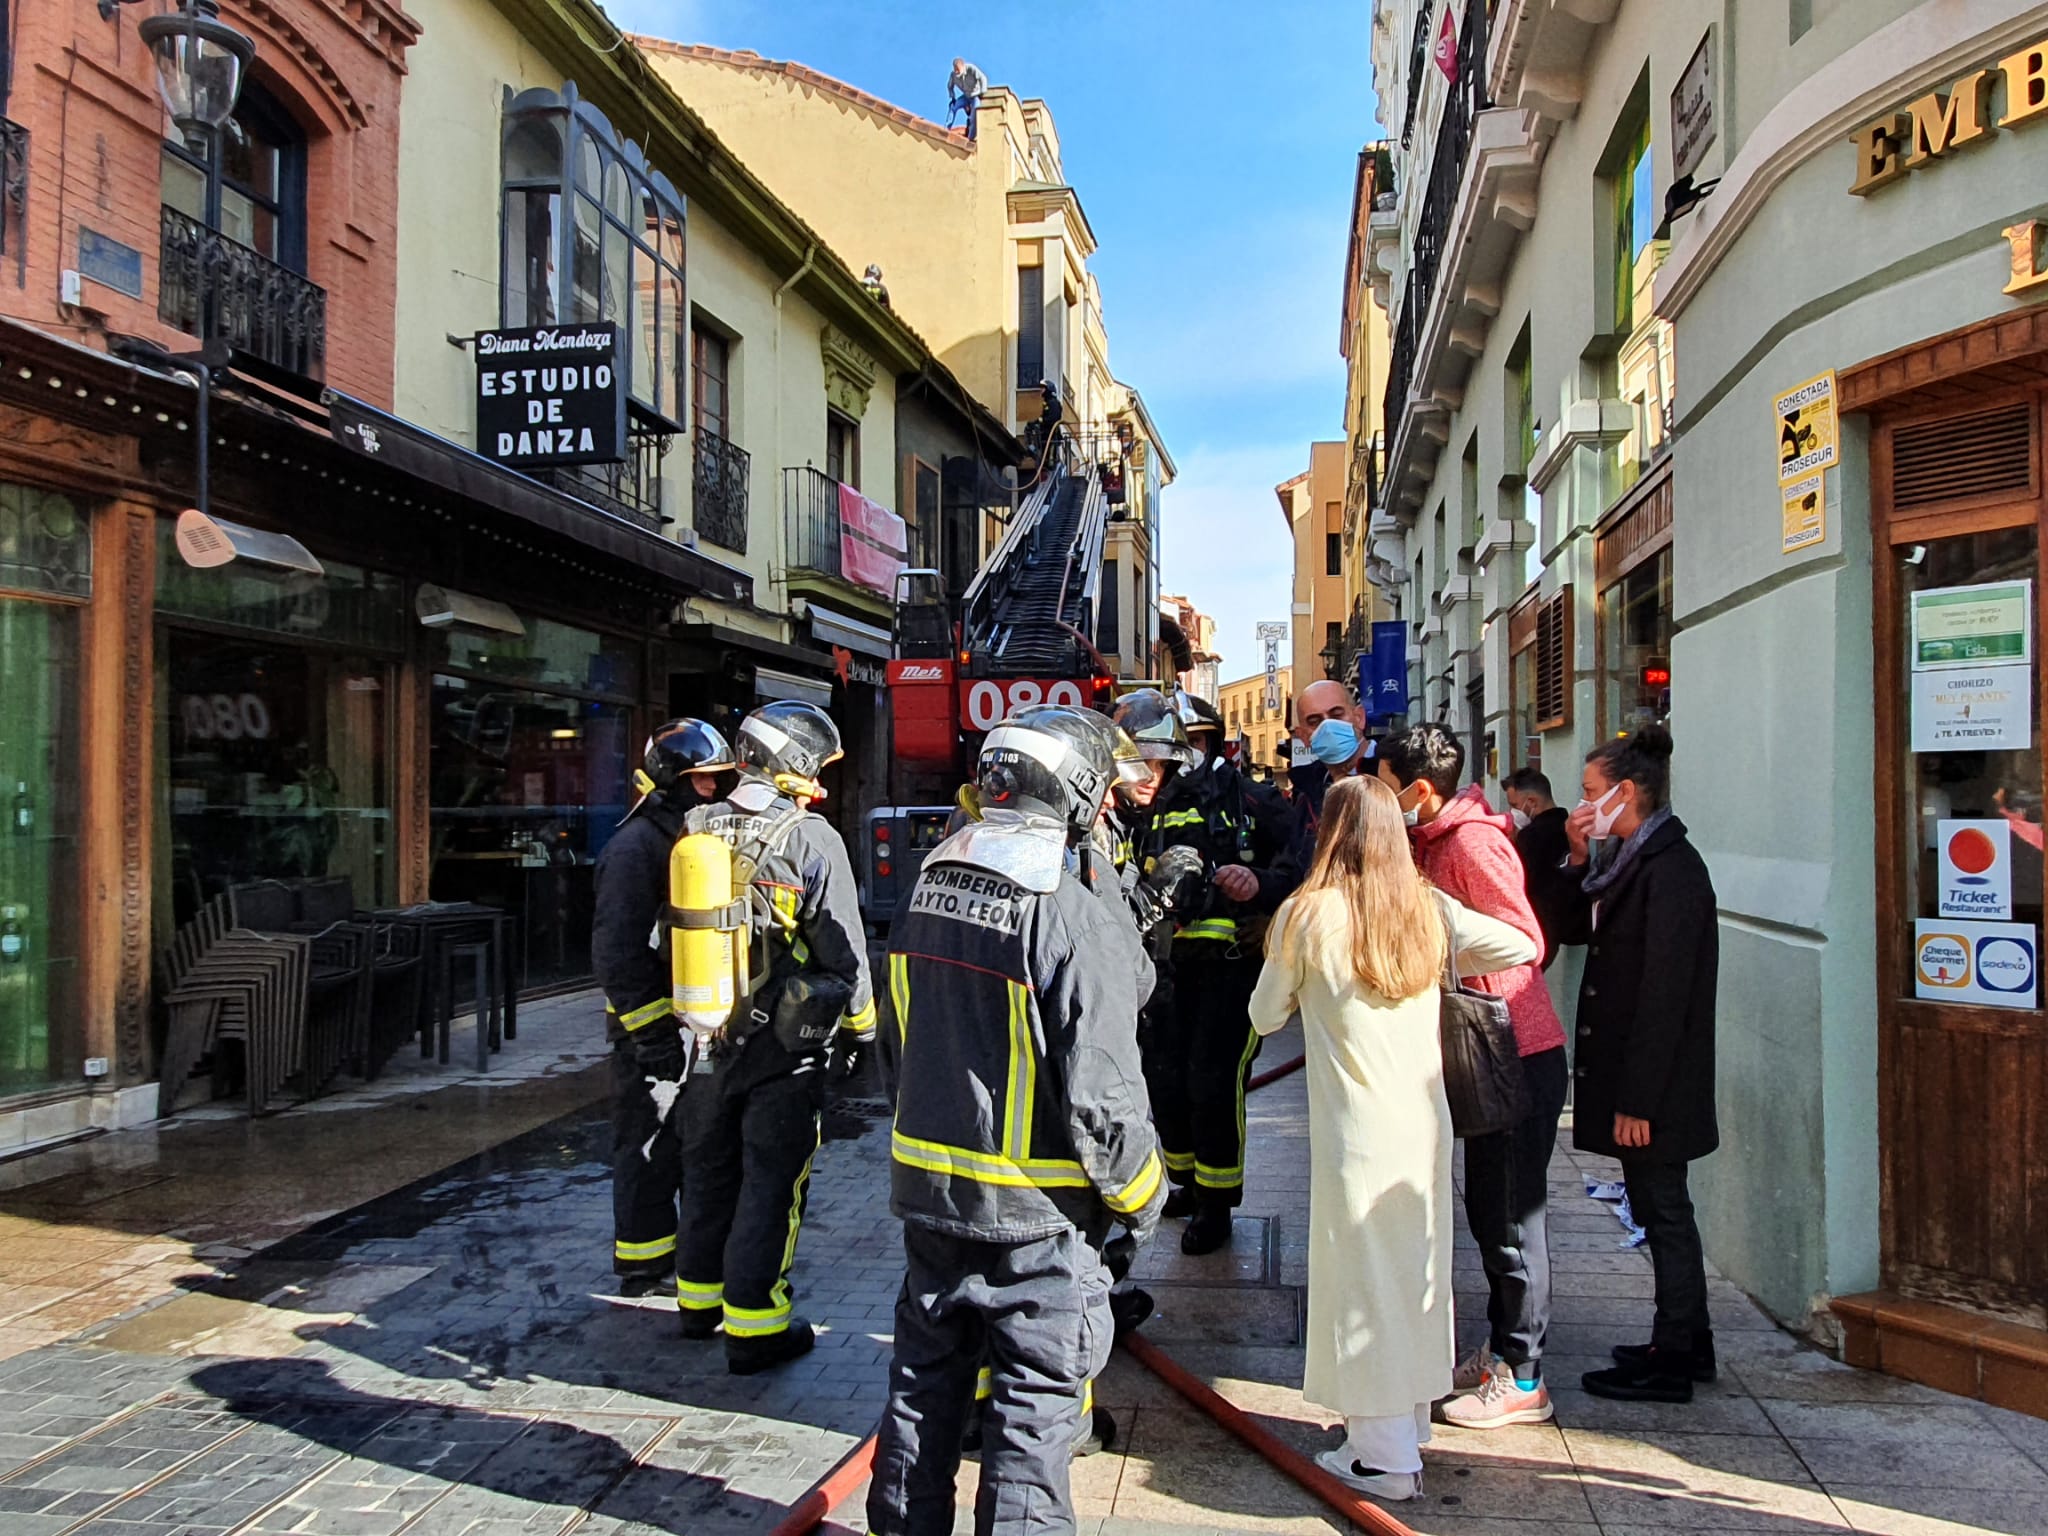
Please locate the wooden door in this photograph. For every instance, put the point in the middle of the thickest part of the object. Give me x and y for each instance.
(1957, 492)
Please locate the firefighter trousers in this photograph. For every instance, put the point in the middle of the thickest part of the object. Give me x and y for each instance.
(1038, 1314)
(749, 1152)
(647, 1169)
(1198, 1058)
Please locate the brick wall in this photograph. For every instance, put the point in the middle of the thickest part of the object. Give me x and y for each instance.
(86, 91)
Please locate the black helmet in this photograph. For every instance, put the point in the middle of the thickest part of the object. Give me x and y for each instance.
(788, 744)
(675, 750)
(1198, 714)
(1148, 717)
(1056, 764)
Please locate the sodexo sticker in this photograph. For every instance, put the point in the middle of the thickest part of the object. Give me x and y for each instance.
(1985, 964)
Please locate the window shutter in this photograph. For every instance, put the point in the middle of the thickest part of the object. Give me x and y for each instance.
(1554, 662)
(1030, 327)
(1962, 457)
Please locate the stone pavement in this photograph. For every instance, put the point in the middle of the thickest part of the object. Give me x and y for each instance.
(446, 1358)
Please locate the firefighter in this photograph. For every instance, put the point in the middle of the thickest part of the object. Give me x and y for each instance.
(1202, 1044)
(680, 767)
(1021, 1141)
(750, 1118)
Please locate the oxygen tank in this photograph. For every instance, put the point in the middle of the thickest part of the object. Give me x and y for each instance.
(708, 950)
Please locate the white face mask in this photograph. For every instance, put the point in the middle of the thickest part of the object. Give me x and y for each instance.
(1519, 817)
(1603, 819)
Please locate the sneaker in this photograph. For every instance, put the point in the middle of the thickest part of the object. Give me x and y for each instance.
(699, 1323)
(1180, 1203)
(1499, 1402)
(745, 1357)
(1652, 1382)
(1392, 1487)
(1700, 1365)
(1208, 1231)
(1475, 1370)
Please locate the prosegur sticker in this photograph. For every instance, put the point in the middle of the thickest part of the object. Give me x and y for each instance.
(1976, 868)
(1986, 965)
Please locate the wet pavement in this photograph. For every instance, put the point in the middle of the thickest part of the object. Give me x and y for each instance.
(444, 1355)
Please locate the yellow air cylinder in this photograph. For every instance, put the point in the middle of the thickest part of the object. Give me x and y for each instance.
(703, 969)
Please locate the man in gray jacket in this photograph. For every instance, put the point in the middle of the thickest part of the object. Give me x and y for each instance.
(1022, 1137)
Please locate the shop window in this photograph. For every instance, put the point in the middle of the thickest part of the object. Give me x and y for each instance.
(1635, 648)
(842, 448)
(45, 543)
(592, 233)
(253, 190)
(1553, 663)
(40, 770)
(348, 606)
(548, 655)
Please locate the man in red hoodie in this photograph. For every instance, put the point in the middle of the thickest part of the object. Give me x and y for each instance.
(1468, 852)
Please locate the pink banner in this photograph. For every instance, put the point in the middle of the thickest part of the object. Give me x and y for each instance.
(873, 542)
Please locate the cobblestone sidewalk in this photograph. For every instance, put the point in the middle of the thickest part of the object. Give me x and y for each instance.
(448, 1359)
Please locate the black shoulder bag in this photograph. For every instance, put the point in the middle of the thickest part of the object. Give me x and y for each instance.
(1483, 1076)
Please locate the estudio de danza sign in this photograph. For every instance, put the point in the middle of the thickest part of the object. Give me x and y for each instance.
(549, 395)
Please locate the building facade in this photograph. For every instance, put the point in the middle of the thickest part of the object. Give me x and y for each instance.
(982, 245)
(436, 682)
(1312, 505)
(1264, 730)
(1733, 467)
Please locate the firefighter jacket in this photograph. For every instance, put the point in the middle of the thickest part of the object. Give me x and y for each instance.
(628, 948)
(803, 871)
(1229, 821)
(1021, 1109)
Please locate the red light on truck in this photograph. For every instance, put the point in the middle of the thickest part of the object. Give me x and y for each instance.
(881, 831)
(883, 869)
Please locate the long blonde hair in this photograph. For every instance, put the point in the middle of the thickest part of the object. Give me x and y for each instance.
(1393, 932)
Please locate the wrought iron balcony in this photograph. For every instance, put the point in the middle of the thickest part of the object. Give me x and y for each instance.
(810, 501)
(720, 494)
(630, 488)
(14, 196)
(217, 288)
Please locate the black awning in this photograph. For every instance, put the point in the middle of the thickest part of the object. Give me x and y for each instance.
(414, 451)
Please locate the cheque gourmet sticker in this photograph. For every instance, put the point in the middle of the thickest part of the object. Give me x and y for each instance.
(1985, 964)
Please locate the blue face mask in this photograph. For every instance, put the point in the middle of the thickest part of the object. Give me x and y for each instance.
(1334, 743)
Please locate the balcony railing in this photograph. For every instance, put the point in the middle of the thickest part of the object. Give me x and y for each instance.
(810, 502)
(217, 288)
(720, 496)
(1466, 99)
(14, 196)
(630, 488)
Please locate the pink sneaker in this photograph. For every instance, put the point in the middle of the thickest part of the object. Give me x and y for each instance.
(1475, 1370)
(1499, 1402)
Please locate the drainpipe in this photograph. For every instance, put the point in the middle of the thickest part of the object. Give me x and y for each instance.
(781, 562)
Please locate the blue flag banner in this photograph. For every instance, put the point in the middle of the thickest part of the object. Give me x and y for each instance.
(1388, 695)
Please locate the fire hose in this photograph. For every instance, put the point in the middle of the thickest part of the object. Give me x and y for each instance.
(831, 1490)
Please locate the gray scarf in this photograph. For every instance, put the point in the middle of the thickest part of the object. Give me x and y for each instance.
(1604, 879)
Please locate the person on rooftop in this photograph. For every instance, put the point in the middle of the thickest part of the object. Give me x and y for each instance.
(963, 94)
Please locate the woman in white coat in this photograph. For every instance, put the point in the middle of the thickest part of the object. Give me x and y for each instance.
(1359, 951)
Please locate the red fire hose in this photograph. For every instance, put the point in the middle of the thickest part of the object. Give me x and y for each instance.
(1274, 1074)
(828, 1492)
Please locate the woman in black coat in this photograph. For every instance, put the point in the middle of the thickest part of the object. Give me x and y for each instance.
(1645, 1059)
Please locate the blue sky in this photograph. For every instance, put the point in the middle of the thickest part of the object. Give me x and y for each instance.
(1213, 145)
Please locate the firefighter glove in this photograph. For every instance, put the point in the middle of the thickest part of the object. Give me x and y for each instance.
(658, 1051)
(1118, 1254)
(847, 1051)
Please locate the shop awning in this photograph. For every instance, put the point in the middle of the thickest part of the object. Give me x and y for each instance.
(771, 684)
(837, 629)
(415, 451)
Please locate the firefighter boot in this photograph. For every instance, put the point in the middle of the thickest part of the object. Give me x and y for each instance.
(1210, 1228)
(763, 1352)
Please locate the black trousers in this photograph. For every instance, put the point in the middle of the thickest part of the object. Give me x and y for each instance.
(1660, 1199)
(647, 1169)
(749, 1153)
(1038, 1314)
(1507, 1204)
(1197, 1057)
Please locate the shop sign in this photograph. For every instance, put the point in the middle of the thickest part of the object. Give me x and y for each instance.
(2029, 242)
(549, 395)
(1271, 636)
(1975, 858)
(1953, 118)
(1692, 110)
(1990, 965)
(1806, 512)
(1985, 625)
(1975, 709)
(1809, 436)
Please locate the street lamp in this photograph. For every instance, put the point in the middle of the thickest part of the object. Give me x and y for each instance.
(1332, 656)
(200, 62)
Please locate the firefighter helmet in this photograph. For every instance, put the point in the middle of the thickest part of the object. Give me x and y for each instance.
(1149, 719)
(788, 744)
(1128, 762)
(1054, 765)
(1198, 714)
(676, 750)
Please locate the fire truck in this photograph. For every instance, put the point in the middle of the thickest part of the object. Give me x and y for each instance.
(1019, 637)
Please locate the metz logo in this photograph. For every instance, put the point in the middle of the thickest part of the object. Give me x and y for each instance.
(921, 674)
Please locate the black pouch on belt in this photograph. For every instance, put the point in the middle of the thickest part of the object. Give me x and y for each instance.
(808, 1011)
